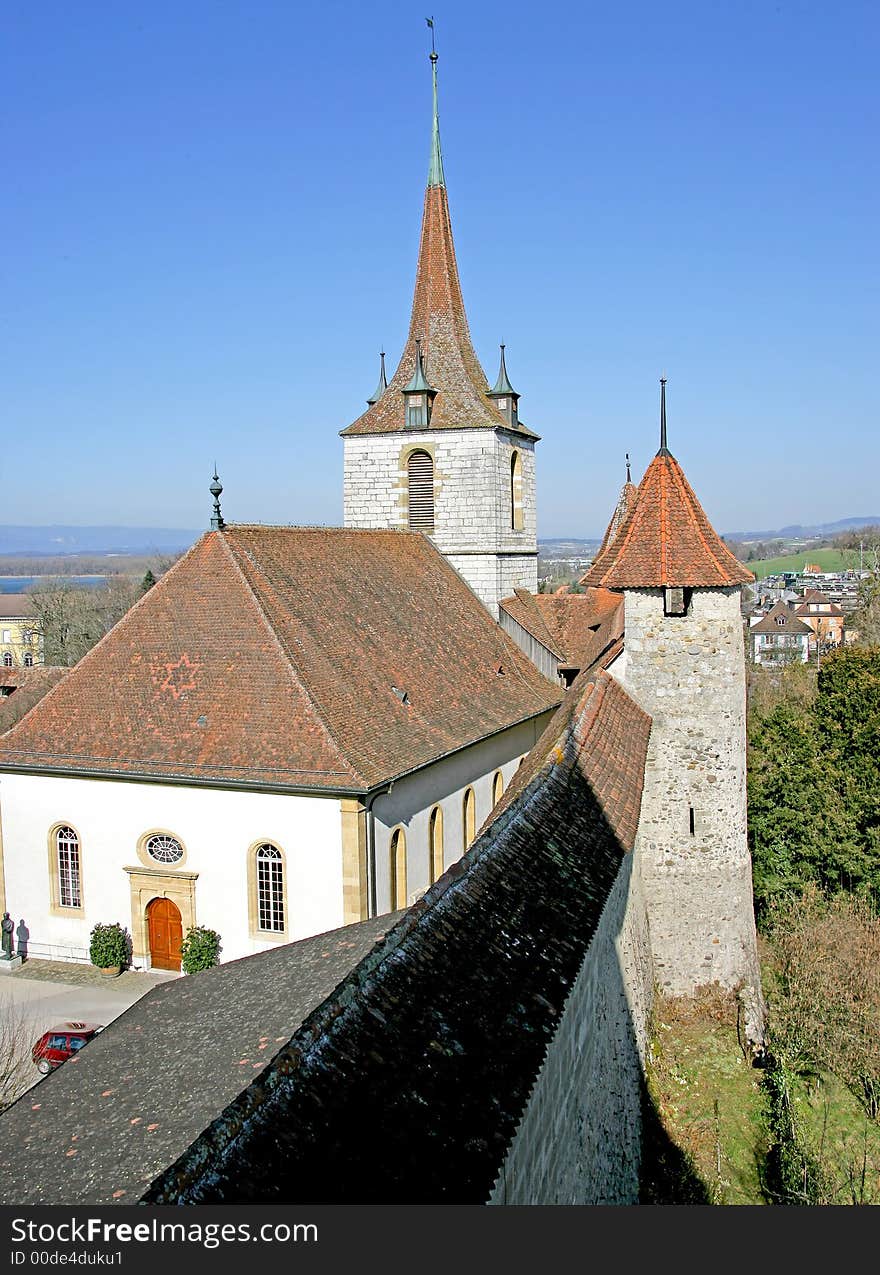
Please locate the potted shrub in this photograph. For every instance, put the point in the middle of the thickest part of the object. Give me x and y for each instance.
(109, 947)
(200, 949)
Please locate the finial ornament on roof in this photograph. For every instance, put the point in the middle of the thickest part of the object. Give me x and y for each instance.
(664, 450)
(217, 523)
(383, 382)
(419, 382)
(628, 474)
(502, 385)
(435, 168)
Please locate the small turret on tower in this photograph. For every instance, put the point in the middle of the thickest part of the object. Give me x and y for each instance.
(418, 395)
(383, 383)
(504, 395)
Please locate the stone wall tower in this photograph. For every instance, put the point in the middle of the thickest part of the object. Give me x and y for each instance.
(684, 663)
(437, 450)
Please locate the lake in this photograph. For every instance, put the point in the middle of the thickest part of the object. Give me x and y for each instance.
(18, 584)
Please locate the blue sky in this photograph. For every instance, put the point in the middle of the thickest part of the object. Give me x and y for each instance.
(211, 219)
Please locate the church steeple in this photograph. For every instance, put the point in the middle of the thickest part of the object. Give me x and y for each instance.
(439, 321)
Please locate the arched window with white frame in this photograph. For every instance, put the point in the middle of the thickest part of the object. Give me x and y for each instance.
(270, 889)
(69, 874)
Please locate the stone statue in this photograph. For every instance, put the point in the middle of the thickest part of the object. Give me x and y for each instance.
(7, 925)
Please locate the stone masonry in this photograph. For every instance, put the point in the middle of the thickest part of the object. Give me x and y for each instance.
(472, 494)
(688, 673)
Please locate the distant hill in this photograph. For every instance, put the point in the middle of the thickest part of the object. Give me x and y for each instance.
(797, 531)
(55, 541)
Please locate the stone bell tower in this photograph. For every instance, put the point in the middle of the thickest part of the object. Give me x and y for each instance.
(684, 663)
(437, 450)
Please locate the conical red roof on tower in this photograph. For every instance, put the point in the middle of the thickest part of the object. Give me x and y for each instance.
(666, 540)
(439, 321)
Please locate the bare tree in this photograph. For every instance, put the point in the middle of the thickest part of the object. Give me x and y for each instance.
(71, 619)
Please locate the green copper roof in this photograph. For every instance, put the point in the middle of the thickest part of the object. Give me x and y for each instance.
(502, 385)
(418, 384)
(435, 168)
(383, 383)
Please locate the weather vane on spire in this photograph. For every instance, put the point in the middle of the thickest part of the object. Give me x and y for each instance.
(430, 22)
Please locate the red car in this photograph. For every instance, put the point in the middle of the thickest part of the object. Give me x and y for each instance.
(60, 1043)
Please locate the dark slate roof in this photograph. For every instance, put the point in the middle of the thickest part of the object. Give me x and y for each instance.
(270, 655)
(408, 1083)
(99, 1129)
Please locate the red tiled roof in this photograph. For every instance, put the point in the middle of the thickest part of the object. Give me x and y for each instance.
(585, 624)
(523, 607)
(790, 622)
(29, 685)
(439, 319)
(625, 502)
(666, 540)
(270, 655)
(576, 627)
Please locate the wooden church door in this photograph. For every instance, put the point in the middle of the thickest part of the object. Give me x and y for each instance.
(166, 934)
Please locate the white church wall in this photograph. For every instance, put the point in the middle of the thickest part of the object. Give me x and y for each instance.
(409, 803)
(216, 828)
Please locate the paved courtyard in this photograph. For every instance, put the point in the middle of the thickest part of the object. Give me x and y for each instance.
(43, 993)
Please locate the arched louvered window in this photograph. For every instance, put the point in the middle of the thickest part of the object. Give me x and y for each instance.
(270, 888)
(516, 505)
(469, 816)
(420, 489)
(69, 889)
(397, 868)
(435, 842)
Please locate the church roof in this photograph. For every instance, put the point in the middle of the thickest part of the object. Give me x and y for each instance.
(438, 319)
(303, 658)
(666, 540)
(21, 688)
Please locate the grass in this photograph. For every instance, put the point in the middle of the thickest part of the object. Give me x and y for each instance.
(708, 1099)
(825, 559)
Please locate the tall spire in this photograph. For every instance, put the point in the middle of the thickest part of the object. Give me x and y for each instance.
(438, 319)
(435, 168)
(383, 383)
(664, 450)
(217, 523)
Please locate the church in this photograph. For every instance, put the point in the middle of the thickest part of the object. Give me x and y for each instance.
(301, 728)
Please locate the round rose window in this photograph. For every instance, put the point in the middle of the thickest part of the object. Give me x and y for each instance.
(164, 849)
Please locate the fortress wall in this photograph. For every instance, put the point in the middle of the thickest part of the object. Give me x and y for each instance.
(579, 1141)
